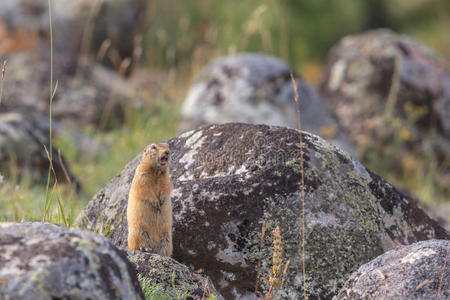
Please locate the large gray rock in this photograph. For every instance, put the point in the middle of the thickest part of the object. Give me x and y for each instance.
(95, 95)
(79, 27)
(172, 278)
(409, 272)
(22, 141)
(24, 26)
(256, 88)
(374, 77)
(47, 261)
(229, 178)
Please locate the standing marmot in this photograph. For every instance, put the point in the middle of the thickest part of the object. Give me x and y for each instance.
(149, 211)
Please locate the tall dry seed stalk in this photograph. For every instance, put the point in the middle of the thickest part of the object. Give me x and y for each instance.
(279, 267)
(299, 126)
(49, 194)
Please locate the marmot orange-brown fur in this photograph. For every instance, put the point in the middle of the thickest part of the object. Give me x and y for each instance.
(149, 211)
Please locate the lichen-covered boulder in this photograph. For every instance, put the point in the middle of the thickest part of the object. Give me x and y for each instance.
(171, 278)
(229, 178)
(22, 141)
(24, 26)
(47, 261)
(256, 88)
(409, 272)
(95, 95)
(381, 84)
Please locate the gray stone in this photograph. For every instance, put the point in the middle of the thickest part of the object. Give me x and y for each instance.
(170, 276)
(256, 88)
(47, 261)
(79, 27)
(411, 272)
(22, 141)
(24, 26)
(229, 178)
(378, 75)
(96, 95)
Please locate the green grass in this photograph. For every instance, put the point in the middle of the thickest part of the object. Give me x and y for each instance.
(23, 201)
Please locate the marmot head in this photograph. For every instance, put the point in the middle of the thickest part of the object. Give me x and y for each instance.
(156, 155)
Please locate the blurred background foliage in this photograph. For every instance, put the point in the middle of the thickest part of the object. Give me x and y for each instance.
(300, 32)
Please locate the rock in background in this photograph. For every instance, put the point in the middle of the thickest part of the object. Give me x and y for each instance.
(22, 141)
(172, 277)
(409, 272)
(256, 88)
(388, 89)
(47, 261)
(229, 178)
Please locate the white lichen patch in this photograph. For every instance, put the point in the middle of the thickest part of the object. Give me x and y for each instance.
(176, 193)
(412, 257)
(40, 259)
(322, 219)
(186, 177)
(227, 255)
(193, 143)
(242, 169)
(194, 138)
(337, 73)
(186, 134)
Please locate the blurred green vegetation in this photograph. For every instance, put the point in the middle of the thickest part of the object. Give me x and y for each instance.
(300, 32)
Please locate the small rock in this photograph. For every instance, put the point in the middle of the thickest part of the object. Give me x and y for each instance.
(171, 277)
(22, 141)
(95, 95)
(410, 272)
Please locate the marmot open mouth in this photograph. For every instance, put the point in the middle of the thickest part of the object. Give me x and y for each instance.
(163, 160)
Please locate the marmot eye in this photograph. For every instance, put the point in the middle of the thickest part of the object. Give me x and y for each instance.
(153, 147)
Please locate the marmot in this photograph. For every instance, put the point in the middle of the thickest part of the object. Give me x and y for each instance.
(149, 211)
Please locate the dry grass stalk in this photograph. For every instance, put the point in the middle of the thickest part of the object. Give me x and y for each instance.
(380, 274)
(104, 47)
(66, 174)
(47, 204)
(299, 127)
(87, 33)
(123, 67)
(422, 284)
(261, 241)
(5, 63)
(443, 271)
